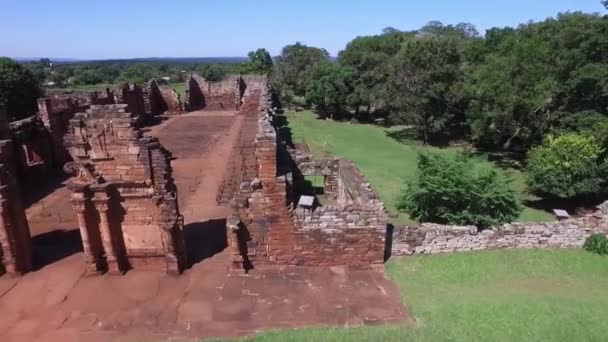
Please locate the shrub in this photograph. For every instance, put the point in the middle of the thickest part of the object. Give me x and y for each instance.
(459, 190)
(567, 166)
(596, 243)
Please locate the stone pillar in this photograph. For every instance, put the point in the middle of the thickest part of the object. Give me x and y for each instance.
(172, 267)
(236, 256)
(15, 241)
(91, 258)
(101, 201)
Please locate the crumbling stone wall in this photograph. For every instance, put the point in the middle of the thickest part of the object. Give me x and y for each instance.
(103, 97)
(215, 96)
(34, 155)
(55, 114)
(434, 238)
(133, 96)
(15, 241)
(163, 100)
(268, 229)
(124, 179)
(306, 165)
(242, 164)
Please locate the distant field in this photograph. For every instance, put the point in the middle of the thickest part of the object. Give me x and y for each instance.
(510, 295)
(386, 162)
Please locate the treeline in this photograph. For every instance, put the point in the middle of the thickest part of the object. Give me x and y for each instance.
(137, 71)
(505, 91)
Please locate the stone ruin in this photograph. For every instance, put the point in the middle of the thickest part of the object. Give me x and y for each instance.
(15, 241)
(269, 228)
(125, 198)
(123, 194)
(223, 95)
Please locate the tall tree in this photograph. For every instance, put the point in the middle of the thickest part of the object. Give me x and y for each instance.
(296, 65)
(260, 62)
(19, 89)
(368, 57)
(331, 92)
(426, 72)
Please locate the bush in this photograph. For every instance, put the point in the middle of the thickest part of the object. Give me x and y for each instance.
(459, 190)
(596, 243)
(567, 166)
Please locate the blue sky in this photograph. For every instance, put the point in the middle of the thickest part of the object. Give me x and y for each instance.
(188, 28)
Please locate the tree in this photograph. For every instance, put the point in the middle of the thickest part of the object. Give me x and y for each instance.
(526, 76)
(260, 62)
(459, 190)
(295, 66)
(567, 167)
(368, 57)
(426, 72)
(330, 93)
(137, 73)
(214, 73)
(19, 89)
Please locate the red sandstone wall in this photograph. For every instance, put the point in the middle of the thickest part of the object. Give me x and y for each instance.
(216, 96)
(163, 100)
(134, 179)
(269, 231)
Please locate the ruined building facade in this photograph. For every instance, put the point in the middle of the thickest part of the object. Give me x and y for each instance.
(123, 193)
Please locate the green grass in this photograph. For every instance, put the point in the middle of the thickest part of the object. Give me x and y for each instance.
(511, 295)
(385, 162)
(179, 88)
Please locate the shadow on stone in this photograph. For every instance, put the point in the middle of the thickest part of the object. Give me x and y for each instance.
(205, 239)
(55, 245)
(388, 246)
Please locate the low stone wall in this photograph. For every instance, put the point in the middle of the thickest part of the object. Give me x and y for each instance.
(434, 238)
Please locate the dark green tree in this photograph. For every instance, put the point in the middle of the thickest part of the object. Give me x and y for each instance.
(425, 73)
(19, 89)
(260, 62)
(295, 67)
(330, 93)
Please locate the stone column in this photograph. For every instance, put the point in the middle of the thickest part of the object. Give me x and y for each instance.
(6, 247)
(15, 240)
(171, 258)
(173, 245)
(91, 259)
(101, 202)
(236, 256)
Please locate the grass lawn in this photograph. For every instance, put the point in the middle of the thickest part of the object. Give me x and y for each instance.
(510, 295)
(179, 88)
(385, 162)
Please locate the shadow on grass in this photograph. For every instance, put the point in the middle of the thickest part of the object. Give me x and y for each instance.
(576, 206)
(409, 135)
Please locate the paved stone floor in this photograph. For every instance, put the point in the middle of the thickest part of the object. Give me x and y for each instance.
(56, 303)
